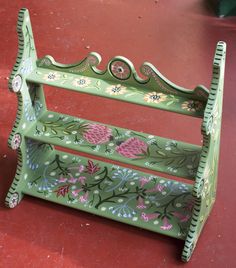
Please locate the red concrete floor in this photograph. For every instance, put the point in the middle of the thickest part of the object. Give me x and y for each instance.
(179, 37)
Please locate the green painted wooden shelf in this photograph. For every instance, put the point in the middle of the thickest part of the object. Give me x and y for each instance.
(143, 93)
(111, 191)
(132, 147)
(152, 202)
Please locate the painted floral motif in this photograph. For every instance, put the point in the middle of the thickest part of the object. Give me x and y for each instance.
(206, 177)
(212, 124)
(166, 225)
(170, 145)
(192, 105)
(132, 148)
(120, 192)
(120, 178)
(16, 141)
(181, 217)
(123, 210)
(147, 150)
(32, 105)
(116, 89)
(17, 83)
(120, 69)
(34, 151)
(61, 190)
(76, 192)
(140, 203)
(151, 216)
(13, 200)
(92, 168)
(97, 134)
(27, 66)
(143, 181)
(81, 82)
(52, 76)
(32, 112)
(156, 188)
(155, 97)
(84, 198)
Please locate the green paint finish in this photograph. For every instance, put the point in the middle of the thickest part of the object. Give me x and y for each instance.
(146, 95)
(107, 190)
(136, 148)
(151, 202)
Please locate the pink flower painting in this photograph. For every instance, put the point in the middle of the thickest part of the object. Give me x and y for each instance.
(132, 148)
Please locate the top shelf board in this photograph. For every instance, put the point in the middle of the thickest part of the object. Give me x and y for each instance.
(121, 82)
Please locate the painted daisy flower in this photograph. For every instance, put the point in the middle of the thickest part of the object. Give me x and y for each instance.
(155, 97)
(51, 76)
(116, 89)
(81, 82)
(191, 105)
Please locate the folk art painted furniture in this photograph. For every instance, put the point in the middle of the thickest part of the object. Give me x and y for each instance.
(126, 195)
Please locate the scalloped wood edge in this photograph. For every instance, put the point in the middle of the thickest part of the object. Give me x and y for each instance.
(93, 60)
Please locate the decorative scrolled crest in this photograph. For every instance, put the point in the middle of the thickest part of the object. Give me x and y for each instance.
(120, 69)
(123, 69)
(166, 86)
(92, 60)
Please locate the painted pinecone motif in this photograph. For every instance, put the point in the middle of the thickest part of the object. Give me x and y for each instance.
(97, 134)
(132, 148)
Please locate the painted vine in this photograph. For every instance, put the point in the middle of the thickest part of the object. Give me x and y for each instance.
(120, 192)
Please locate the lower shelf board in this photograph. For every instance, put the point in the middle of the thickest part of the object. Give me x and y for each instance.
(118, 193)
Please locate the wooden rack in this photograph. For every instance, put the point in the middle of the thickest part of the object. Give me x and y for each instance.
(151, 202)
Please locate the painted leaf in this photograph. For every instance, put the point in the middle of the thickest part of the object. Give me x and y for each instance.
(92, 168)
(62, 190)
(169, 103)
